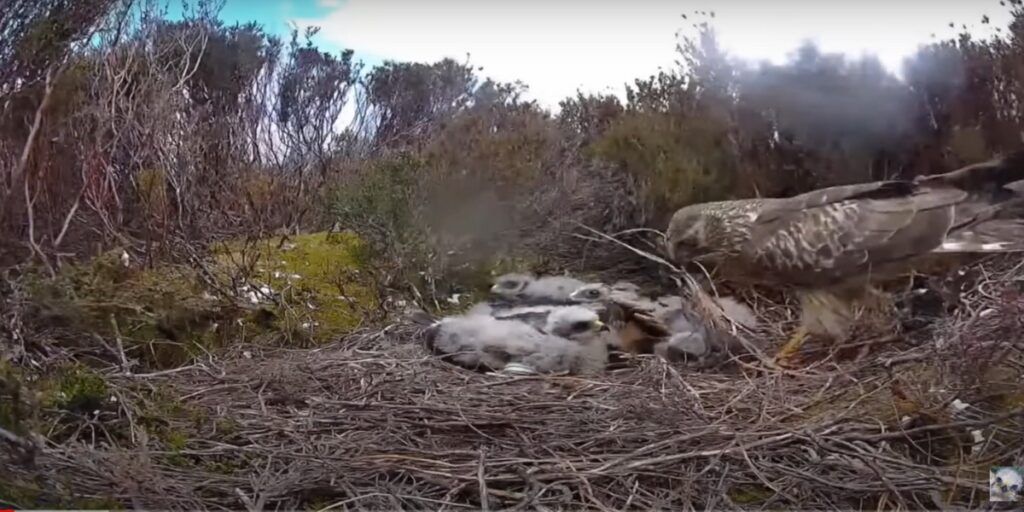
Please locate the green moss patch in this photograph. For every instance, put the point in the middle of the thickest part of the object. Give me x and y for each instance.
(161, 316)
(77, 390)
(16, 411)
(166, 315)
(314, 287)
(750, 494)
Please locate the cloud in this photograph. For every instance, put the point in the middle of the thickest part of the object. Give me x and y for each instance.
(552, 46)
(558, 46)
(890, 30)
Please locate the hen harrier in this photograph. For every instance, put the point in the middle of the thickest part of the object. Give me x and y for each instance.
(829, 244)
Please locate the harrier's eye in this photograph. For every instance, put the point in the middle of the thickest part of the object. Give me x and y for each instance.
(593, 293)
(508, 284)
(580, 326)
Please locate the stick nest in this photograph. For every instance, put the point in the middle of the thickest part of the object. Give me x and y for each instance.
(373, 421)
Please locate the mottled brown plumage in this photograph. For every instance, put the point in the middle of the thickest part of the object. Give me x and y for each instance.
(633, 319)
(830, 243)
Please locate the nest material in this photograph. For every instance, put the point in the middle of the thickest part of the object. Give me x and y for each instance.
(374, 422)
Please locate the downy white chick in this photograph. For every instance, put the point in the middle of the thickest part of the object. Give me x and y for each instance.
(630, 316)
(526, 298)
(623, 291)
(665, 326)
(737, 312)
(1005, 484)
(571, 342)
(688, 341)
(537, 316)
(696, 342)
(600, 292)
(524, 288)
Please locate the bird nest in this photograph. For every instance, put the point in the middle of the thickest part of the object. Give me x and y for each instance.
(374, 421)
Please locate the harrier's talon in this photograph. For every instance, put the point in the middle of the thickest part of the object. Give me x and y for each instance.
(788, 351)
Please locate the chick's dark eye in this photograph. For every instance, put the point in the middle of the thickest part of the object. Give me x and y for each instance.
(508, 284)
(580, 326)
(593, 293)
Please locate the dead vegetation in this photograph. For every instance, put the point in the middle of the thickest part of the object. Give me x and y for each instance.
(248, 355)
(373, 421)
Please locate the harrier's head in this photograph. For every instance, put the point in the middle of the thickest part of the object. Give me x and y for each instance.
(708, 231)
(511, 285)
(573, 322)
(688, 233)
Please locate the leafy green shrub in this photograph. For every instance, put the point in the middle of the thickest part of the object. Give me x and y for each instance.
(79, 390)
(678, 161)
(506, 146)
(381, 204)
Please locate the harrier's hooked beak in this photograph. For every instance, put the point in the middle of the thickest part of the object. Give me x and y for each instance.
(680, 253)
(670, 249)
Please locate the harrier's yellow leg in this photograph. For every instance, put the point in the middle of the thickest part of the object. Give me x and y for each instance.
(792, 347)
(822, 312)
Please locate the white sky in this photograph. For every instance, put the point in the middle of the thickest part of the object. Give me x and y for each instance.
(559, 46)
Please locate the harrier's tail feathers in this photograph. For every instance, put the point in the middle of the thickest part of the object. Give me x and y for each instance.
(431, 327)
(429, 337)
(998, 235)
(419, 317)
(988, 175)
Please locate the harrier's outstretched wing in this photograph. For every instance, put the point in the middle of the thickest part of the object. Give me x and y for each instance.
(834, 240)
(831, 234)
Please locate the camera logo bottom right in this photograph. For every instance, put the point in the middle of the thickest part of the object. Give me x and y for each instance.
(1005, 484)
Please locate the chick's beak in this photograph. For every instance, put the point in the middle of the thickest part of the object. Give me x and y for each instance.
(599, 325)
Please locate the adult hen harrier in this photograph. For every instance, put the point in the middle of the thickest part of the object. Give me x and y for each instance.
(830, 243)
